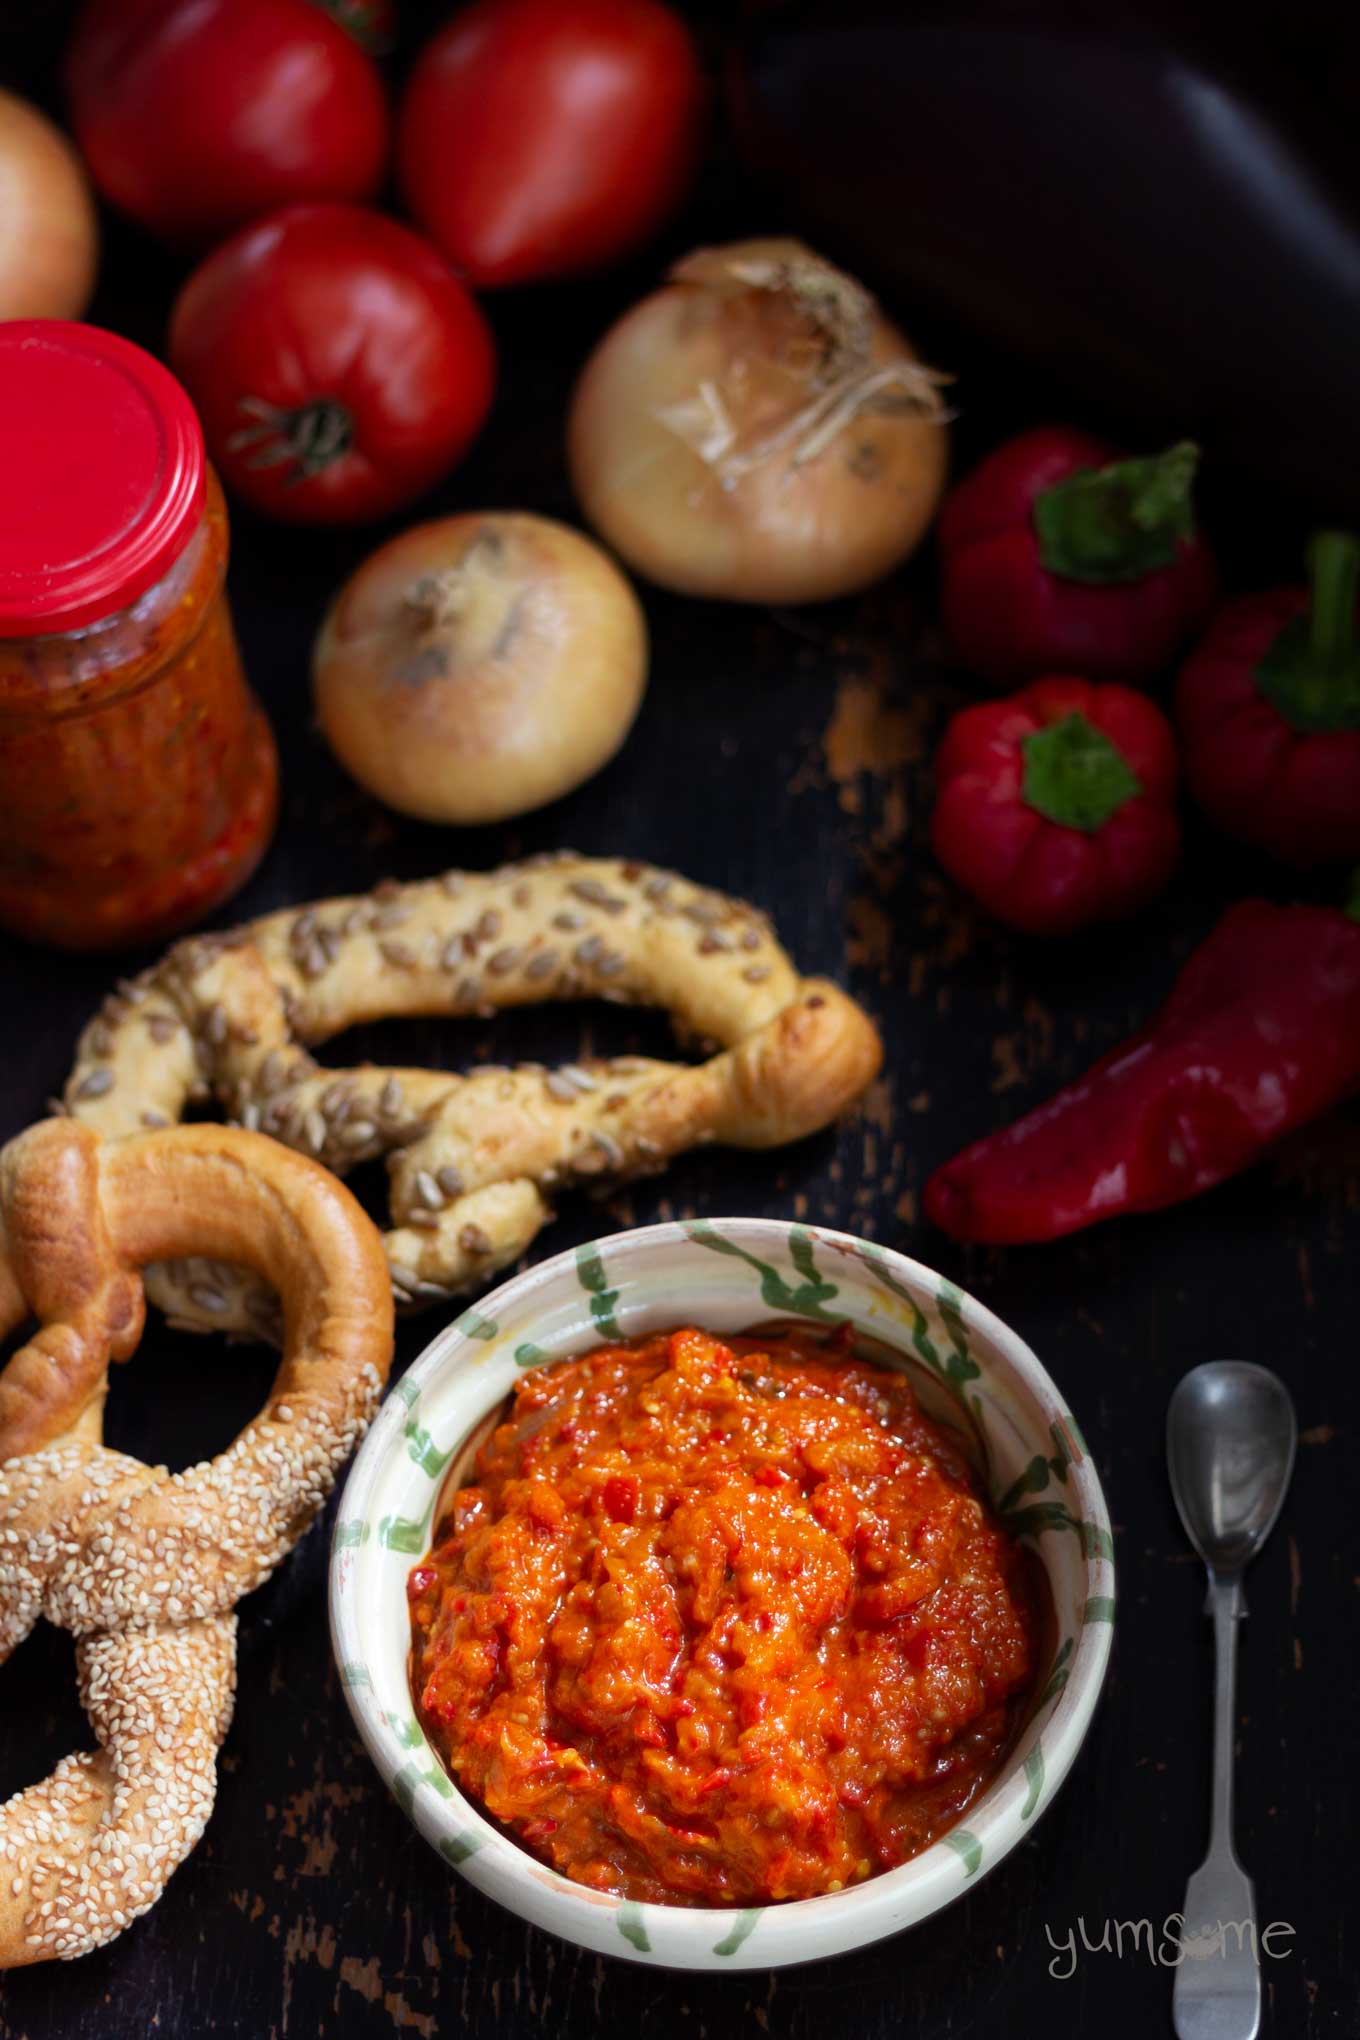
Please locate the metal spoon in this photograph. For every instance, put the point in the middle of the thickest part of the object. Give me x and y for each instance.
(1230, 1435)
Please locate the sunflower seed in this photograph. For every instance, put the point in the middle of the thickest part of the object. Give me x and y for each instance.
(590, 951)
(756, 973)
(206, 1297)
(151, 1117)
(560, 1087)
(358, 1133)
(161, 1027)
(474, 1241)
(611, 965)
(428, 1190)
(597, 895)
(489, 925)
(504, 961)
(569, 920)
(390, 1099)
(398, 953)
(452, 883)
(95, 1085)
(449, 1180)
(451, 955)
(542, 965)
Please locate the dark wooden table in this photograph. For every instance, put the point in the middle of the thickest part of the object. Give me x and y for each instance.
(783, 756)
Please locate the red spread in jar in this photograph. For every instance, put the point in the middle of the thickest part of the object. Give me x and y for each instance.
(721, 1622)
(138, 776)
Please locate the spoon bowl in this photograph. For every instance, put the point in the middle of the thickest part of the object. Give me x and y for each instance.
(1230, 1439)
(1230, 1436)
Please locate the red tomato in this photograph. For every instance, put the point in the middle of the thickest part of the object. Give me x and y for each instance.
(338, 368)
(540, 139)
(198, 115)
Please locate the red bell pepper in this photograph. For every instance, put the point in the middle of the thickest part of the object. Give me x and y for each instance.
(1269, 712)
(1055, 808)
(1260, 1034)
(1061, 555)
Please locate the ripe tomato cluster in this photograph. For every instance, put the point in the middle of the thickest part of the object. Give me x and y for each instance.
(338, 358)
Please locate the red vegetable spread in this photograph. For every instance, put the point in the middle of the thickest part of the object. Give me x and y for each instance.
(137, 773)
(721, 1622)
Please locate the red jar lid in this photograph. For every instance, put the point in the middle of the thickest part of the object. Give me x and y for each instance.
(104, 474)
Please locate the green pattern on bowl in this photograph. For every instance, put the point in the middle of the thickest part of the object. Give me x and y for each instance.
(632, 1925)
(1034, 1772)
(590, 1273)
(742, 1927)
(807, 1298)
(967, 1848)
(726, 1275)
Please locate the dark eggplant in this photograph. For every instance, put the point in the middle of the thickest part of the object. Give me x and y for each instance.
(1172, 231)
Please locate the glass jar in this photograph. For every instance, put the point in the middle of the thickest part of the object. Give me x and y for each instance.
(138, 776)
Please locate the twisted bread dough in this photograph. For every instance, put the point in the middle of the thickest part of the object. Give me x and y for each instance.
(144, 1567)
(472, 1159)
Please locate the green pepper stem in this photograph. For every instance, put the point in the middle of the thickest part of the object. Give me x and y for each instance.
(1120, 522)
(1073, 775)
(1160, 499)
(1334, 577)
(1311, 672)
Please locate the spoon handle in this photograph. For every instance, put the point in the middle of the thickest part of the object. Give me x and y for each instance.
(1217, 1994)
(1227, 1605)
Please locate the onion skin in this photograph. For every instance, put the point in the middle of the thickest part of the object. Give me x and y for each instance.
(49, 233)
(802, 521)
(479, 666)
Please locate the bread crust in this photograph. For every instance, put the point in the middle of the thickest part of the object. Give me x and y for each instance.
(474, 1159)
(143, 1566)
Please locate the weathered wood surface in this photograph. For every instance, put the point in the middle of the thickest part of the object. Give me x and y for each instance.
(784, 757)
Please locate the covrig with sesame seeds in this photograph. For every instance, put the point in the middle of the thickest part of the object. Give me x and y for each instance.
(145, 1567)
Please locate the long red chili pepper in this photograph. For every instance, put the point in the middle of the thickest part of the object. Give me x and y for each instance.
(1260, 1034)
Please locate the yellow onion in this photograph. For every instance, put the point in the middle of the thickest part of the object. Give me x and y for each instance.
(756, 430)
(479, 666)
(49, 239)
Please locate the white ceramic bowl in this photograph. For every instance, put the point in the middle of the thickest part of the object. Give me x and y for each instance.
(725, 1275)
